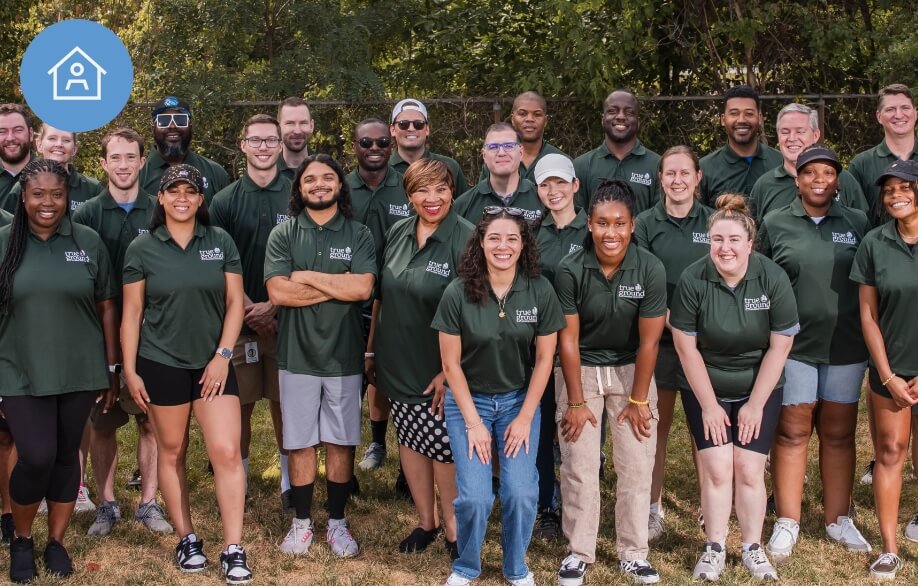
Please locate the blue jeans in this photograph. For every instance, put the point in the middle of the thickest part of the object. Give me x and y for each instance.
(519, 485)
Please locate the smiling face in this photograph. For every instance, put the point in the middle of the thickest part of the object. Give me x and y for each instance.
(370, 155)
(261, 157)
(181, 201)
(557, 194)
(679, 178)
(123, 162)
(897, 115)
(172, 142)
(611, 225)
(818, 184)
(899, 198)
(410, 137)
(57, 145)
(502, 244)
(15, 137)
(297, 126)
(432, 202)
(794, 135)
(529, 119)
(620, 120)
(730, 248)
(503, 161)
(319, 186)
(741, 119)
(45, 200)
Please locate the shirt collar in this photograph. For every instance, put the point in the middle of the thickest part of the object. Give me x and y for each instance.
(154, 159)
(752, 271)
(249, 185)
(143, 201)
(591, 261)
(797, 209)
(390, 180)
(578, 222)
(638, 151)
(443, 231)
(732, 157)
(306, 222)
(661, 215)
(163, 233)
(883, 150)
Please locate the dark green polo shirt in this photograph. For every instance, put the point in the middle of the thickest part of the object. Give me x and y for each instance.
(80, 190)
(248, 213)
(215, 176)
(471, 204)
(677, 242)
(639, 169)
(724, 171)
(7, 182)
(497, 352)
(609, 308)
(401, 165)
(411, 283)
(5, 218)
(116, 227)
(325, 339)
(778, 188)
(866, 166)
(886, 262)
(184, 293)
(733, 326)
(528, 172)
(284, 169)
(381, 208)
(555, 244)
(818, 259)
(51, 340)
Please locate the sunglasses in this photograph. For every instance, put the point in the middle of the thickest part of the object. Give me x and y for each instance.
(418, 124)
(507, 147)
(367, 142)
(179, 120)
(497, 210)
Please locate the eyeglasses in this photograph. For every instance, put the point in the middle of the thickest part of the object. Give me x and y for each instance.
(418, 124)
(256, 141)
(382, 142)
(179, 120)
(497, 210)
(507, 147)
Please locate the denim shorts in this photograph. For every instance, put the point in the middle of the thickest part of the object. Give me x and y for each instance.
(805, 382)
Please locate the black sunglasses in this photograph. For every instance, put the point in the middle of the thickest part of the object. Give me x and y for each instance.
(496, 210)
(367, 142)
(404, 124)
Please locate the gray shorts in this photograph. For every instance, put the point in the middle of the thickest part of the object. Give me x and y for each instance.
(320, 409)
(806, 382)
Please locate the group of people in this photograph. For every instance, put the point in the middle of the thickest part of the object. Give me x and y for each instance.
(550, 304)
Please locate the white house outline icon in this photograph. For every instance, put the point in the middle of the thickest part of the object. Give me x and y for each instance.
(99, 72)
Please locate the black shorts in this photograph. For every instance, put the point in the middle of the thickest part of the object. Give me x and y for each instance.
(876, 385)
(168, 386)
(767, 430)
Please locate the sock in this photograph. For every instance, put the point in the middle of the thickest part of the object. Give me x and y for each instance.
(285, 474)
(233, 548)
(746, 546)
(378, 431)
(302, 500)
(190, 538)
(337, 498)
(656, 509)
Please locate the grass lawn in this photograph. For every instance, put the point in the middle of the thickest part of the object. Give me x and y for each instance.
(131, 555)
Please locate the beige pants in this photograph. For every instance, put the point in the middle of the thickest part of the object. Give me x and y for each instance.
(606, 388)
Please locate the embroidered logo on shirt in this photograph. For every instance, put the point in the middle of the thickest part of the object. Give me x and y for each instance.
(339, 253)
(141, 231)
(438, 268)
(79, 256)
(75, 205)
(574, 248)
(642, 178)
(399, 210)
(215, 254)
(846, 238)
(280, 218)
(757, 303)
(532, 215)
(700, 238)
(527, 316)
(631, 291)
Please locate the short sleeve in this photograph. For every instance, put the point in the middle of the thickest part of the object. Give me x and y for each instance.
(232, 263)
(104, 287)
(551, 319)
(862, 270)
(654, 302)
(566, 287)
(364, 258)
(278, 259)
(448, 318)
(133, 270)
(683, 313)
(763, 241)
(783, 312)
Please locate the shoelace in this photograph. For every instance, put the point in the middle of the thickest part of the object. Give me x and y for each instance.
(153, 511)
(570, 563)
(106, 513)
(636, 566)
(784, 528)
(192, 549)
(887, 558)
(709, 557)
(757, 556)
(236, 564)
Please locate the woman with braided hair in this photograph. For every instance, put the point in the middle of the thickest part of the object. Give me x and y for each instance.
(55, 301)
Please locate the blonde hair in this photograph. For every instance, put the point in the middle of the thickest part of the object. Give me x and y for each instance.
(733, 206)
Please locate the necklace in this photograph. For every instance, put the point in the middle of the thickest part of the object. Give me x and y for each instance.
(906, 238)
(501, 302)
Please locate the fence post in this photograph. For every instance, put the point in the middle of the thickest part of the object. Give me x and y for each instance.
(495, 108)
(821, 109)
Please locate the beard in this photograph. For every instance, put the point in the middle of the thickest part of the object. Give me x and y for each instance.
(15, 159)
(171, 151)
(320, 205)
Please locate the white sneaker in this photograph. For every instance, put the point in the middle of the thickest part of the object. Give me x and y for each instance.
(639, 571)
(373, 457)
(527, 580)
(885, 567)
(655, 528)
(572, 571)
(845, 533)
(783, 539)
(711, 563)
(83, 504)
(911, 530)
(299, 538)
(456, 580)
(340, 540)
(43, 507)
(757, 563)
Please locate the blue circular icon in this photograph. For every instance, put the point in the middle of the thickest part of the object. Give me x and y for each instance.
(76, 75)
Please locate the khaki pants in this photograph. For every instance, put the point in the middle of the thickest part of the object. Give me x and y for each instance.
(606, 388)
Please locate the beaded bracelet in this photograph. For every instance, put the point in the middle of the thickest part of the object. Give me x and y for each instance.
(886, 382)
(575, 405)
(469, 428)
(634, 401)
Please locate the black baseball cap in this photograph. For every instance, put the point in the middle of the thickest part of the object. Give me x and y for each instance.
(907, 170)
(817, 152)
(171, 103)
(182, 172)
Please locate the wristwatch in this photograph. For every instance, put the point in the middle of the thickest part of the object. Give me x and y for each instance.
(114, 368)
(225, 353)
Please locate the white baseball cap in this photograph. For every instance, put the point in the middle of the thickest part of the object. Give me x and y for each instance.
(408, 104)
(554, 165)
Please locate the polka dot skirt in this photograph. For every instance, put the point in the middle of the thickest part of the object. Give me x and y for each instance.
(420, 431)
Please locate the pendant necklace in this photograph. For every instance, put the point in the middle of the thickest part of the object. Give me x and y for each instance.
(501, 302)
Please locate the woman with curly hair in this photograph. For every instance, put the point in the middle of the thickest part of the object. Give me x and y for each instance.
(488, 320)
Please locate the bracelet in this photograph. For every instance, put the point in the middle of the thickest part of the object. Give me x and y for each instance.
(886, 382)
(369, 354)
(469, 428)
(575, 405)
(634, 401)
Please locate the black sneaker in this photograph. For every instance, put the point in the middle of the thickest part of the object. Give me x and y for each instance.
(57, 560)
(189, 555)
(770, 507)
(572, 571)
(639, 571)
(548, 525)
(134, 482)
(418, 540)
(22, 559)
(452, 548)
(401, 487)
(235, 567)
(7, 526)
